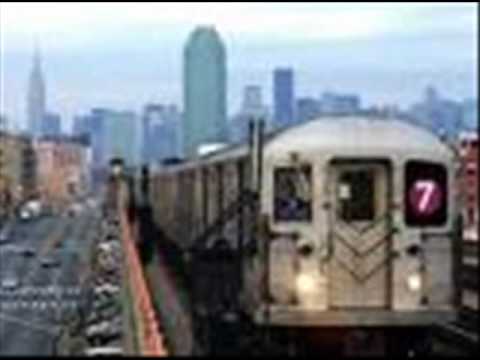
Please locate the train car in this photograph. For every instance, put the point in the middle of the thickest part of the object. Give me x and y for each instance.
(341, 225)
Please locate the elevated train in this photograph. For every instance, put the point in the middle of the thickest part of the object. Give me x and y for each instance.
(341, 230)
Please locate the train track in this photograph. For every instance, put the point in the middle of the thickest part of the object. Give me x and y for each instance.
(463, 332)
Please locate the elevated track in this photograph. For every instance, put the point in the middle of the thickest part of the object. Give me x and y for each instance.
(463, 332)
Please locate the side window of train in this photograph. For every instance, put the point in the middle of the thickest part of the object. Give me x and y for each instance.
(293, 194)
(426, 194)
(356, 195)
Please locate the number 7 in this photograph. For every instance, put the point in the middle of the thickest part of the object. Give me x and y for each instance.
(427, 187)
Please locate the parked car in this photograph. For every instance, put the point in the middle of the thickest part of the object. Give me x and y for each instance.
(50, 262)
(25, 215)
(4, 236)
(6, 233)
(104, 314)
(107, 289)
(28, 251)
(10, 283)
(105, 328)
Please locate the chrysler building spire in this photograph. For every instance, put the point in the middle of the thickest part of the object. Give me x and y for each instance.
(36, 95)
(37, 57)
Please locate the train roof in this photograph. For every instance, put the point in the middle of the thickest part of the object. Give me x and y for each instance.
(358, 133)
(354, 134)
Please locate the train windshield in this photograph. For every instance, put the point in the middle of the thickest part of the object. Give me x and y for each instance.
(426, 194)
(357, 195)
(293, 194)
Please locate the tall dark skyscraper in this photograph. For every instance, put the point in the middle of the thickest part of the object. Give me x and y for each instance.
(204, 87)
(36, 98)
(283, 97)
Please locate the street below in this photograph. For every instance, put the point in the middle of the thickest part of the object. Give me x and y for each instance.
(48, 282)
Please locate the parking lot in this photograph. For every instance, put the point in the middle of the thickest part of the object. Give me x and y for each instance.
(100, 325)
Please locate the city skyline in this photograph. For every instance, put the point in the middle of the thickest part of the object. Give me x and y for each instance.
(140, 62)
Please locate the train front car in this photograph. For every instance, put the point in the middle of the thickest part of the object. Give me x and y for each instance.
(360, 216)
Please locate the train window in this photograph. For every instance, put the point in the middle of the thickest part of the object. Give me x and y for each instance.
(356, 195)
(426, 194)
(293, 194)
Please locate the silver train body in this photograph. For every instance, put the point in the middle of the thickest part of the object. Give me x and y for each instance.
(353, 224)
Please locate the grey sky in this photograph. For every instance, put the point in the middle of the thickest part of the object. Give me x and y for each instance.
(124, 55)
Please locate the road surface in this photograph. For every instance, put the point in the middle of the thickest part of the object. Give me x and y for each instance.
(30, 316)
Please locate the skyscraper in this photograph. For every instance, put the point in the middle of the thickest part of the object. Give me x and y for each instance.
(3, 123)
(161, 133)
(437, 114)
(252, 98)
(283, 100)
(51, 125)
(307, 109)
(204, 90)
(340, 104)
(122, 137)
(152, 115)
(94, 124)
(81, 125)
(36, 97)
(470, 114)
(252, 108)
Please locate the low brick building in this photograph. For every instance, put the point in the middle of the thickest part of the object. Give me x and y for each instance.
(17, 171)
(62, 170)
(468, 181)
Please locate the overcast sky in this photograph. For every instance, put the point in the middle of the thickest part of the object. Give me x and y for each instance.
(126, 54)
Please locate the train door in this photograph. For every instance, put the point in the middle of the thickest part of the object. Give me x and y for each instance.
(359, 234)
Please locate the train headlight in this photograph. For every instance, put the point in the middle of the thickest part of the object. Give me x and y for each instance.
(414, 282)
(305, 283)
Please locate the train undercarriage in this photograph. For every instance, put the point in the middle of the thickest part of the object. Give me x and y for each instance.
(222, 327)
(234, 335)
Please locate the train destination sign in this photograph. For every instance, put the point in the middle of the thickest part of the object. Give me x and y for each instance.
(425, 197)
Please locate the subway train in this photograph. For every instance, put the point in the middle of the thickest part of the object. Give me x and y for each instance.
(339, 232)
